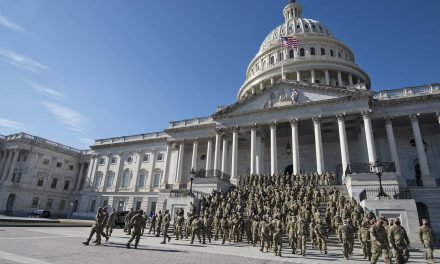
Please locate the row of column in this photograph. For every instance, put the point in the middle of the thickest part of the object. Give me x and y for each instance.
(8, 162)
(327, 77)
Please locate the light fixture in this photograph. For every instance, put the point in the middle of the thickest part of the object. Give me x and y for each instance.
(288, 149)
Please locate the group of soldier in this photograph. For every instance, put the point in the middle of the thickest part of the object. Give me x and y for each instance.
(305, 208)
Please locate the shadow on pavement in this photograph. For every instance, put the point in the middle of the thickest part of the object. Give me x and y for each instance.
(121, 245)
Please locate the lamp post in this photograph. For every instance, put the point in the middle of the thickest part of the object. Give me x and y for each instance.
(376, 167)
(192, 174)
(288, 149)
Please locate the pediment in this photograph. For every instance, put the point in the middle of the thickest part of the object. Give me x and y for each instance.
(284, 95)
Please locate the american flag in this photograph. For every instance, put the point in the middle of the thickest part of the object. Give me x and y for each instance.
(289, 42)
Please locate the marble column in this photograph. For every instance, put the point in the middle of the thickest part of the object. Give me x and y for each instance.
(194, 154)
(224, 154)
(258, 159)
(327, 78)
(295, 147)
(5, 158)
(339, 79)
(12, 167)
(178, 180)
(253, 147)
(345, 157)
(273, 148)
(218, 137)
(81, 171)
(298, 76)
(350, 79)
(437, 115)
(392, 143)
(165, 178)
(423, 160)
(234, 162)
(312, 74)
(209, 154)
(372, 157)
(7, 166)
(318, 145)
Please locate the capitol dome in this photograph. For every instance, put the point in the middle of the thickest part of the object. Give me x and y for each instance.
(319, 59)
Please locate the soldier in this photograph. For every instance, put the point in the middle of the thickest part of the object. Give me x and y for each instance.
(364, 238)
(265, 234)
(345, 236)
(153, 224)
(277, 234)
(159, 223)
(207, 228)
(379, 242)
(196, 227)
(166, 225)
(224, 228)
(399, 241)
(97, 228)
(137, 221)
(301, 234)
(320, 231)
(427, 238)
(128, 218)
(292, 234)
(110, 223)
(255, 231)
(179, 223)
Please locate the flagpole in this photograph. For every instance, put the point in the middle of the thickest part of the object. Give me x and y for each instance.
(282, 59)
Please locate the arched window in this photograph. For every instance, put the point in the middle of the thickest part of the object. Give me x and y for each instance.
(298, 27)
(126, 179)
(98, 180)
(314, 27)
(291, 54)
(306, 26)
(301, 52)
(322, 52)
(332, 53)
(312, 51)
(110, 178)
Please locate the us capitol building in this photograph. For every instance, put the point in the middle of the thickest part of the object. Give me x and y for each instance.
(311, 109)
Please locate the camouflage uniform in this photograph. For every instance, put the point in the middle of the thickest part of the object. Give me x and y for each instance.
(264, 235)
(292, 234)
(379, 243)
(166, 225)
(110, 223)
(153, 224)
(100, 220)
(180, 220)
(301, 234)
(159, 223)
(345, 235)
(399, 241)
(364, 238)
(137, 221)
(224, 228)
(320, 231)
(277, 233)
(427, 238)
(128, 218)
(196, 227)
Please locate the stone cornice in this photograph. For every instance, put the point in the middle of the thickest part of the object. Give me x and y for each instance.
(128, 143)
(189, 128)
(405, 100)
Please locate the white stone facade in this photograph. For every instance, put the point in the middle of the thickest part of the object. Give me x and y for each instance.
(279, 124)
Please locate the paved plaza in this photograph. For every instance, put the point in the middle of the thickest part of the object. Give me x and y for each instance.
(44, 245)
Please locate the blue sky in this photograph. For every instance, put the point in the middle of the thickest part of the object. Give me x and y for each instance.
(74, 71)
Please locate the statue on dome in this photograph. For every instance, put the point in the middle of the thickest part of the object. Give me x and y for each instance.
(294, 96)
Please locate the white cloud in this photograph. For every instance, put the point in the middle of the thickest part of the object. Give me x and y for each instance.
(48, 91)
(86, 141)
(10, 25)
(69, 117)
(12, 124)
(22, 61)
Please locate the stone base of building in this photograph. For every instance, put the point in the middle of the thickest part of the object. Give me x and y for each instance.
(406, 210)
(365, 182)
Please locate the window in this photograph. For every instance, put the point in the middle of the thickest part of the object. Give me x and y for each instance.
(314, 27)
(101, 161)
(129, 159)
(332, 53)
(312, 51)
(54, 183)
(46, 162)
(109, 182)
(301, 52)
(35, 202)
(142, 178)
(306, 26)
(66, 185)
(71, 167)
(98, 180)
(62, 205)
(126, 179)
(105, 203)
(298, 26)
(322, 52)
(203, 157)
(40, 181)
(92, 206)
(138, 205)
(49, 204)
(160, 157)
(291, 54)
(156, 180)
(113, 160)
(59, 164)
(272, 59)
(339, 54)
(146, 158)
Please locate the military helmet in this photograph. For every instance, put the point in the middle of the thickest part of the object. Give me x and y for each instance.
(141, 212)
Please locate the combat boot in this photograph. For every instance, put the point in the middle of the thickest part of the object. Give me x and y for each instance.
(86, 243)
(127, 245)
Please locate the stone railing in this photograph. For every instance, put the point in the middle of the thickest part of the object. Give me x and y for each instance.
(41, 141)
(130, 138)
(186, 193)
(392, 192)
(190, 122)
(408, 91)
(357, 168)
(202, 173)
